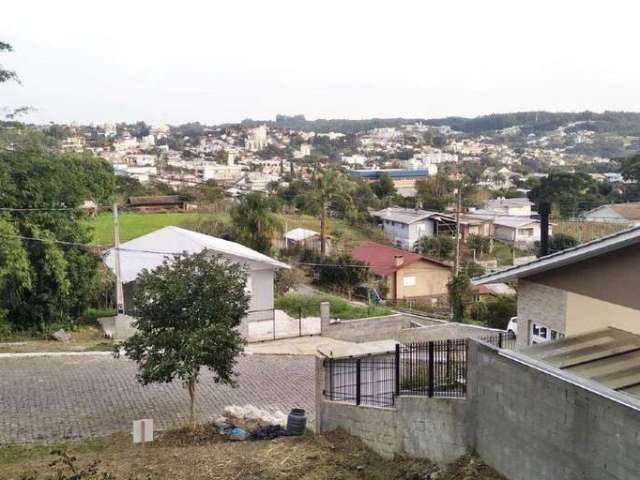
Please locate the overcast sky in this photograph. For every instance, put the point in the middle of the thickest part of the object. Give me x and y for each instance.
(223, 61)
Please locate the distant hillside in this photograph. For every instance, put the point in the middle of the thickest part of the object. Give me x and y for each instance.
(622, 123)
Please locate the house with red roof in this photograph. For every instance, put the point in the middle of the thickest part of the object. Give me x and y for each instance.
(407, 275)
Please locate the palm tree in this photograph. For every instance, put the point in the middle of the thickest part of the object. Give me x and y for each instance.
(328, 187)
(255, 221)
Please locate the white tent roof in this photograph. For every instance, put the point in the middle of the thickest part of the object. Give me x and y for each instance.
(299, 234)
(149, 251)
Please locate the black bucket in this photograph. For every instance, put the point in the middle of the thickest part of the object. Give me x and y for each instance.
(296, 422)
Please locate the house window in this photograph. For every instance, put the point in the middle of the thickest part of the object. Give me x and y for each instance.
(409, 281)
(541, 333)
(526, 232)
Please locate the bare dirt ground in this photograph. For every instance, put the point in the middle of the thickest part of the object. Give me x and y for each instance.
(176, 455)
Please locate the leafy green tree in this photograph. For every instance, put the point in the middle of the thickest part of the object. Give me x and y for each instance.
(631, 168)
(479, 243)
(561, 241)
(439, 246)
(384, 188)
(255, 220)
(435, 193)
(46, 189)
(188, 314)
(340, 272)
(460, 296)
(495, 312)
(568, 193)
(7, 75)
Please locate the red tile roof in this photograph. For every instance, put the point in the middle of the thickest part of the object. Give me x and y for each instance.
(381, 258)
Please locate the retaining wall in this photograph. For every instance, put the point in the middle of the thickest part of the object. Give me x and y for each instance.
(525, 419)
(529, 423)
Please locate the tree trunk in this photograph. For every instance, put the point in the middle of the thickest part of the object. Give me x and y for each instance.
(323, 214)
(191, 385)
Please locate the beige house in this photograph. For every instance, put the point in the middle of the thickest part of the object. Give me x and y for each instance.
(407, 275)
(583, 289)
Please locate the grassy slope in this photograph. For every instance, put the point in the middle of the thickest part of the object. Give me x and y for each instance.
(133, 225)
(340, 308)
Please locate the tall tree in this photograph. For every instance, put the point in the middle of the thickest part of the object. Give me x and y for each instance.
(435, 193)
(188, 311)
(255, 220)
(568, 193)
(328, 189)
(45, 190)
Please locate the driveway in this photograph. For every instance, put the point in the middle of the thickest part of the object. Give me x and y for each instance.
(53, 398)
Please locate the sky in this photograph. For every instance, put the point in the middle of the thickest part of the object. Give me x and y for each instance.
(224, 61)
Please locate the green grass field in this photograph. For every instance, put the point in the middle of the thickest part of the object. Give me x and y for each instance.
(135, 224)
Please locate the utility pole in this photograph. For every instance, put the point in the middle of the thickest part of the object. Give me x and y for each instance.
(116, 252)
(456, 265)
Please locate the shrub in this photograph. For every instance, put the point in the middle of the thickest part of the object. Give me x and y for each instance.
(309, 305)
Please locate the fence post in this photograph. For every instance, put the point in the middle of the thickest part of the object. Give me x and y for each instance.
(300, 321)
(448, 361)
(273, 313)
(500, 340)
(358, 382)
(397, 370)
(431, 370)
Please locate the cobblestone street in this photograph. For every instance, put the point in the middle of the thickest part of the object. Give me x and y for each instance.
(53, 398)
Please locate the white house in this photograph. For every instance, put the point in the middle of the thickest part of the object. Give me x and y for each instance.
(510, 206)
(149, 251)
(625, 213)
(405, 226)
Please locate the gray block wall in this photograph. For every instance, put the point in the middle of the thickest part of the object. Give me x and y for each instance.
(529, 424)
(434, 428)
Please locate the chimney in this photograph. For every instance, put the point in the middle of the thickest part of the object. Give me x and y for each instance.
(398, 260)
(544, 209)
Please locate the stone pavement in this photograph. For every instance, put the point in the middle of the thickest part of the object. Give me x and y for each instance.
(53, 398)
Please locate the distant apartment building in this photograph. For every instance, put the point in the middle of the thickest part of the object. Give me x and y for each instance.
(400, 177)
(257, 138)
(214, 171)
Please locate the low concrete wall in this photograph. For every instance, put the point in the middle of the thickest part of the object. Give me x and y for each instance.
(530, 423)
(527, 420)
(434, 428)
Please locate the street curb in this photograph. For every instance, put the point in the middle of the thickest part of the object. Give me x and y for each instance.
(54, 354)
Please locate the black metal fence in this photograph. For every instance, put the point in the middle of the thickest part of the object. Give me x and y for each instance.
(362, 381)
(433, 369)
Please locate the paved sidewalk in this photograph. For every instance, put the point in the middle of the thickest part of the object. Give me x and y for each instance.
(52, 398)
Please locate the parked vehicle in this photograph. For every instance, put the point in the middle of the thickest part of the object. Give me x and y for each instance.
(512, 327)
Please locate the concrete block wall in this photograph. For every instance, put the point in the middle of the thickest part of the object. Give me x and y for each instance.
(527, 421)
(376, 427)
(434, 428)
(418, 426)
(530, 424)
